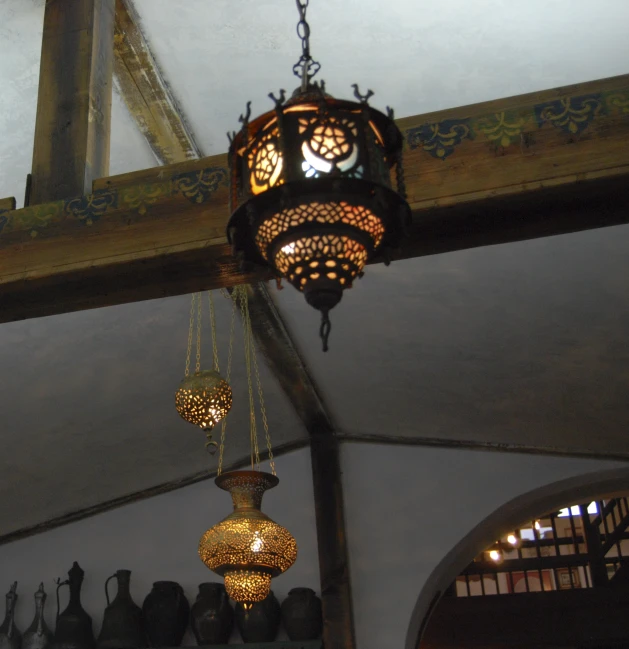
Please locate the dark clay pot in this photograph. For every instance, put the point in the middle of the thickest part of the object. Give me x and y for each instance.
(166, 612)
(74, 625)
(122, 623)
(212, 617)
(301, 615)
(262, 622)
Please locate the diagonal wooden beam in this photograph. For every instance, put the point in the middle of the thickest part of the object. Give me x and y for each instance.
(146, 94)
(74, 100)
(536, 165)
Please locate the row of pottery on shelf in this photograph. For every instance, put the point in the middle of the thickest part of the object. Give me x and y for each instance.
(163, 618)
(213, 617)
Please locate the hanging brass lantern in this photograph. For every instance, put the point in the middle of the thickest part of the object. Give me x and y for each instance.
(203, 398)
(311, 190)
(247, 548)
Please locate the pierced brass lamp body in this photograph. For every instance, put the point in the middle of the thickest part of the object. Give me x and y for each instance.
(204, 398)
(247, 548)
(312, 194)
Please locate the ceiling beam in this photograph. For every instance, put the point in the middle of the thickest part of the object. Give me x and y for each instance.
(73, 121)
(146, 94)
(530, 166)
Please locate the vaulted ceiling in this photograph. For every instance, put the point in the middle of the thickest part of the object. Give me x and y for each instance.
(518, 346)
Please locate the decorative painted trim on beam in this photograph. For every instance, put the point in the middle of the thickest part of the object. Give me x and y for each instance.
(196, 186)
(570, 115)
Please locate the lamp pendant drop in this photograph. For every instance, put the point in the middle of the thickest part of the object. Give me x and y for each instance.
(311, 187)
(247, 548)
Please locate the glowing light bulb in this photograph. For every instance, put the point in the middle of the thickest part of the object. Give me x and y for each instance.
(512, 539)
(289, 248)
(494, 555)
(256, 544)
(538, 525)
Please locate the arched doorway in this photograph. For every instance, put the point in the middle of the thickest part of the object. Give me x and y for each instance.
(579, 490)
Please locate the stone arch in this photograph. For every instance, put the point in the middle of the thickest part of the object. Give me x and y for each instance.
(525, 507)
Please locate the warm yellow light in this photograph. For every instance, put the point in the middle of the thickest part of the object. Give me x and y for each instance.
(247, 548)
(494, 555)
(203, 399)
(538, 525)
(512, 539)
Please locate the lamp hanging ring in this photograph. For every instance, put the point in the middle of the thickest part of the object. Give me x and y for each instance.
(210, 446)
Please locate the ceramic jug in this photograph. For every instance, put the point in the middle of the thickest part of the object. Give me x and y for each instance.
(74, 625)
(122, 623)
(38, 635)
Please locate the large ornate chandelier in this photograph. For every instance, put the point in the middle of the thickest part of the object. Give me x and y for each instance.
(247, 548)
(311, 190)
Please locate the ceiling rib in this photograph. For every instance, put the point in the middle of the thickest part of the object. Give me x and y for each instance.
(146, 94)
(401, 440)
(165, 487)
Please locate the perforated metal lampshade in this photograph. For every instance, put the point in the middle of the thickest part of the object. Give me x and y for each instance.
(247, 548)
(204, 398)
(312, 194)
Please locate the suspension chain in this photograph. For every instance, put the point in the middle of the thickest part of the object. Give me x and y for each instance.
(234, 299)
(199, 312)
(265, 423)
(246, 325)
(305, 68)
(190, 332)
(213, 329)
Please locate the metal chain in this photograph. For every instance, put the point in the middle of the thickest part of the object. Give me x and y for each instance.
(213, 329)
(234, 298)
(244, 311)
(265, 422)
(199, 310)
(306, 68)
(190, 330)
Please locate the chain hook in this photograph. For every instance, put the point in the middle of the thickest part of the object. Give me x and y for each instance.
(324, 331)
(305, 68)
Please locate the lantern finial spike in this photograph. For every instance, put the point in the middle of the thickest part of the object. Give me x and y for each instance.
(363, 99)
(279, 101)
(244, 119)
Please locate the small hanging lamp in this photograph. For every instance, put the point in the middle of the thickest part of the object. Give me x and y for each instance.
(205, 397)
(311, 190)
(247, 548)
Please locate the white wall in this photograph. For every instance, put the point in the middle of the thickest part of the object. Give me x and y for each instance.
(157, 539)
(406, 508)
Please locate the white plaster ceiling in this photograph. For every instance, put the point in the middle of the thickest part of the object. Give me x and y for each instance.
(516, 344)
(416, 55)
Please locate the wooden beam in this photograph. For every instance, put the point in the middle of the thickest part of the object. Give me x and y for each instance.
(531, 166)
(74, 101)
(146, 94)
(287, 365)
(7, 204)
